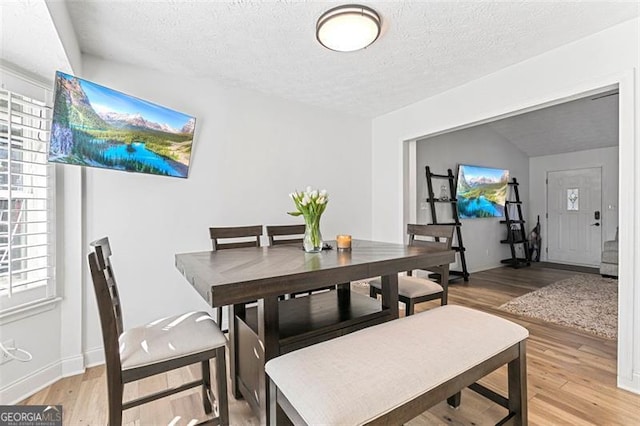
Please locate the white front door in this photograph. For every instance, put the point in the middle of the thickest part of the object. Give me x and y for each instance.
(574, 208)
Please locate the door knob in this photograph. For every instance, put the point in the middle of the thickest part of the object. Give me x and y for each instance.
(595, 224)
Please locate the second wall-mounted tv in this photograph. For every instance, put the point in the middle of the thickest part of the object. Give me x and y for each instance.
(481, 191)
(100, 127)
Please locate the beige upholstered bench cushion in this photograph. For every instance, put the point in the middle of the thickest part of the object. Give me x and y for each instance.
(412, 286)
(355, 378)
(169, 338)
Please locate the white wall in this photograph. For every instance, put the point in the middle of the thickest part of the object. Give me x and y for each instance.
(250, 151)
(606, 158)
(39, 335)
(480, 146)
(603, 59)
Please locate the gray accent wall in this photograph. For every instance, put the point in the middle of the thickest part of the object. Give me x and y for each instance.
(479, 146)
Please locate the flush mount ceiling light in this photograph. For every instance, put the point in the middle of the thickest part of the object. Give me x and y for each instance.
(348, 28)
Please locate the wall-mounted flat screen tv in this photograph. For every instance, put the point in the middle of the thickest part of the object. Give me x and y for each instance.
(481, 191)
(99, 127)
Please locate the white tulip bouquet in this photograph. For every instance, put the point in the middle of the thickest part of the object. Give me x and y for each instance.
(310, 204)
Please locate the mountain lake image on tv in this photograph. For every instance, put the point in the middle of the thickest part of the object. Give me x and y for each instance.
(481, 191)
(99, 127)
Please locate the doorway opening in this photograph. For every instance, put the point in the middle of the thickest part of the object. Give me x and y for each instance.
(540, 165)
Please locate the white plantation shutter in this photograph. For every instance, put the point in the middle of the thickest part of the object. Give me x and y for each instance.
(26, 203)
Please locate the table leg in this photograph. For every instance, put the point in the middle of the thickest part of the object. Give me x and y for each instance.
(344, 294)
(390, 294)
(269, 336)
(234, 310)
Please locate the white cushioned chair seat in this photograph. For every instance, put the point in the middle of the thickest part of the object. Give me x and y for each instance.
(169, 338)
(338, 382)
(412, 286)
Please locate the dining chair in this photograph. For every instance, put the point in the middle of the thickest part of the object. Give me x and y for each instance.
(412, 289)
(249, 236)
(290, 234)
(160, 346)
(285, 234)
(232, 237)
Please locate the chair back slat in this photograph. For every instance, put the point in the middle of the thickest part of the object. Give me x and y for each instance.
(110, 321)
(423, 243)
(434, 233)
(102, 251)
(253, 233)
(282, 234)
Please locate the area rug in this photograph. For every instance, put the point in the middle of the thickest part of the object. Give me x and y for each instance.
(587, 302)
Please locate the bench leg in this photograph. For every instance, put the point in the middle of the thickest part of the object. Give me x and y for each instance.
(273, 403)
(454, 400)
(281, 412)
(517, 371)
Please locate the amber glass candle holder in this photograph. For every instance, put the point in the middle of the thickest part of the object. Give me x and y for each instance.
(343, 242)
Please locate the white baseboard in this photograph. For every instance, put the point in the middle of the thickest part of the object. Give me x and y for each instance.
(94, 357)
(26, 386)
(72, 365)
(632, 385)
(485, 267)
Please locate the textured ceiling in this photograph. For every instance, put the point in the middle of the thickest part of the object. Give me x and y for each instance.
(28, 39)
(425, 48)
(586, 123)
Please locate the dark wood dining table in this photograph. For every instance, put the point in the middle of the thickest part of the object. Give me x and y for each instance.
(275, 326)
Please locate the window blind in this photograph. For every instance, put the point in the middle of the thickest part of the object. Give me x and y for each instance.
(26, 203)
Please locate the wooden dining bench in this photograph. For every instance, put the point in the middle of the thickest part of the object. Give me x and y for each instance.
(392, 372)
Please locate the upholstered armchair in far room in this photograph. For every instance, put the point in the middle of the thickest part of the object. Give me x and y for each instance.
(609, 260)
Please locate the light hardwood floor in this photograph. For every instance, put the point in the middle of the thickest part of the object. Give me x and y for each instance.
(571, 374)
